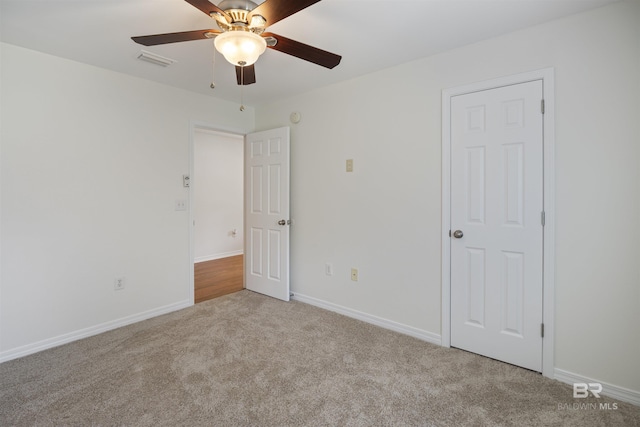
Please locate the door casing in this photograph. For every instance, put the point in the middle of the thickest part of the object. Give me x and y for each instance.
(547, 77)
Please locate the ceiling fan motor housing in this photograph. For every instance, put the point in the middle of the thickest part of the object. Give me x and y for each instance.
(237, 4)
(238, 11)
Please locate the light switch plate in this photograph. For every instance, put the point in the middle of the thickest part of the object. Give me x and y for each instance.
(349, 165)
(328, 269)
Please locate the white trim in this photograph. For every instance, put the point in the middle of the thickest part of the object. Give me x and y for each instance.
(88, 332)
(548, 314)
(217, 256)
(614, 391)
(445, 322)
(368, 318)
(208, 127)
(549, 244)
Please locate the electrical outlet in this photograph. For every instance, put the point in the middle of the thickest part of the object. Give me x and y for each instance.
(118, 284)
(354, 274)
(328, 269)
(181, 205)
(349, 165)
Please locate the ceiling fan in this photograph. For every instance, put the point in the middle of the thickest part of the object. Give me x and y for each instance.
(241, 36)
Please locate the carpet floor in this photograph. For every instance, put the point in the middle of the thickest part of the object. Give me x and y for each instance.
(248, 360)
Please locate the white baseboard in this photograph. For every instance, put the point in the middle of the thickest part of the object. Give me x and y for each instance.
(374, 320)
(87, 332)
(217, 256)
(610, 390)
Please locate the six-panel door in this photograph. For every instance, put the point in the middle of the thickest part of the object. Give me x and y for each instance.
(496, 202)
(267, 212)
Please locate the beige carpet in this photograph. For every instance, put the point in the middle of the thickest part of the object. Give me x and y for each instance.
(249, 360)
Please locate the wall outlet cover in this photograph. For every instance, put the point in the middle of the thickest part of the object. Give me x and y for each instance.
(349, 165)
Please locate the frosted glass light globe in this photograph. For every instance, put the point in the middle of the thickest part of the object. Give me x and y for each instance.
(241, 48)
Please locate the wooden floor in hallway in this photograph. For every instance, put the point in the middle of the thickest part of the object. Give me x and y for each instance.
(218, 277)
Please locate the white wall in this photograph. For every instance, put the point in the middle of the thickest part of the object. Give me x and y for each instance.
(92, 164)
(218, 160)
(384, 218)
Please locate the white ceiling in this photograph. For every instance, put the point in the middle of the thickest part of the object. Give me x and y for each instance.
(369, 34)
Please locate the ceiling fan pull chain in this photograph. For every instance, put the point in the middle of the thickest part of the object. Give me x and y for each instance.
(242, 85)
(213, 68)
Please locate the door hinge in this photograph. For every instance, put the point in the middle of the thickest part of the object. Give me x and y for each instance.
(542, 106)
(542, 330)
(543, 218)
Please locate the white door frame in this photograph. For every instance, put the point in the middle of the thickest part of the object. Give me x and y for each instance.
(548, 299)
(193, 127)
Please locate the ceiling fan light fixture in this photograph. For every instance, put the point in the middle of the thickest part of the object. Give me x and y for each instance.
(240, 47)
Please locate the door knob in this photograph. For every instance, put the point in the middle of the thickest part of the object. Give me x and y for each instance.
(458, 234)
(282, 222)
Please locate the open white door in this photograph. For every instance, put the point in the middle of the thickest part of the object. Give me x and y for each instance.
(267, 212)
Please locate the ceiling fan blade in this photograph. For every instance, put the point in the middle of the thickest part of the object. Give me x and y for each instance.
(208, 8)
(249, 75)
(183, 36)
(276, 10)
(304, 51)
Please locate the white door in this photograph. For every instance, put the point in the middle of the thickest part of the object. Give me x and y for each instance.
(267, 212)
(496, 223)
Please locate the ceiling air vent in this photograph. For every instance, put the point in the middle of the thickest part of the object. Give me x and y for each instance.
(155, 59)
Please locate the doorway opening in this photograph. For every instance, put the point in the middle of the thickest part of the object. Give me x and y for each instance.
(218, 213)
